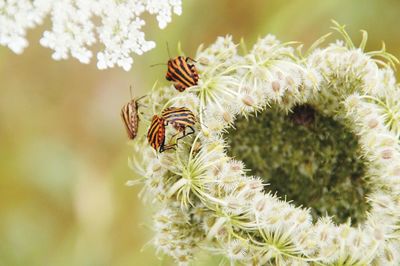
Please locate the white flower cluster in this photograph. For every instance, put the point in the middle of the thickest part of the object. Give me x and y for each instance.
(16, 16)
(209, 202)
(74, 28)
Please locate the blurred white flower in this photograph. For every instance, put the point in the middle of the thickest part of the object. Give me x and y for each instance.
(16, 16)
(75, 28)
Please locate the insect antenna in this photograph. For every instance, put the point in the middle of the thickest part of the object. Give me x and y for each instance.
(169, 54)
(141, 97)
(159, 64)
(130, 91)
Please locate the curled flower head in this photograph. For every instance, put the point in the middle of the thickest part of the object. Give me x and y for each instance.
(294, 160)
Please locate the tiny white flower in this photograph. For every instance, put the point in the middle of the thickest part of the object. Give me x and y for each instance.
(74, 32)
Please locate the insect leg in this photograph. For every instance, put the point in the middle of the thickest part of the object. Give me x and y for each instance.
(191, 59)
(167, 147)
(186, 134)
(173, 136)
(190, 133)
(179, 87)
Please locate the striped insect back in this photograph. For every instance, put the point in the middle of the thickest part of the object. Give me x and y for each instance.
(156, 133)
(182, 73)
(180, 118)
(130, 118)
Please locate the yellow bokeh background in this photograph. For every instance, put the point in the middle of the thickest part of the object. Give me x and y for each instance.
(63, 148)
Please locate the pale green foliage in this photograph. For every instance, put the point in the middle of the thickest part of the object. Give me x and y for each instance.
(209, 201)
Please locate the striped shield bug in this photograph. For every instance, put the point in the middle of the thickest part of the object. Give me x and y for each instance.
(156, 134)
(130, 116)
(182, 73)
(180, 118)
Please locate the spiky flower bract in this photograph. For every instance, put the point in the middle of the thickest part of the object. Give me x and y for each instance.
(320, 127)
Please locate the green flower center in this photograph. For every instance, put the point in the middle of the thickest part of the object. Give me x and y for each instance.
(305, 157)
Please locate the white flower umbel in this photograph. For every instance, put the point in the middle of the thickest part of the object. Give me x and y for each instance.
(209, 201)
(74, 30)
(16, 16)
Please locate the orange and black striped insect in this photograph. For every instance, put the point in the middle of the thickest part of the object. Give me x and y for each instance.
(130, 117)
(180, 118)
(156, 134)
(182, 73)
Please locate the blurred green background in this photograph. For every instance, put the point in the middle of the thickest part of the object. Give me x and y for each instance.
(63, 152)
